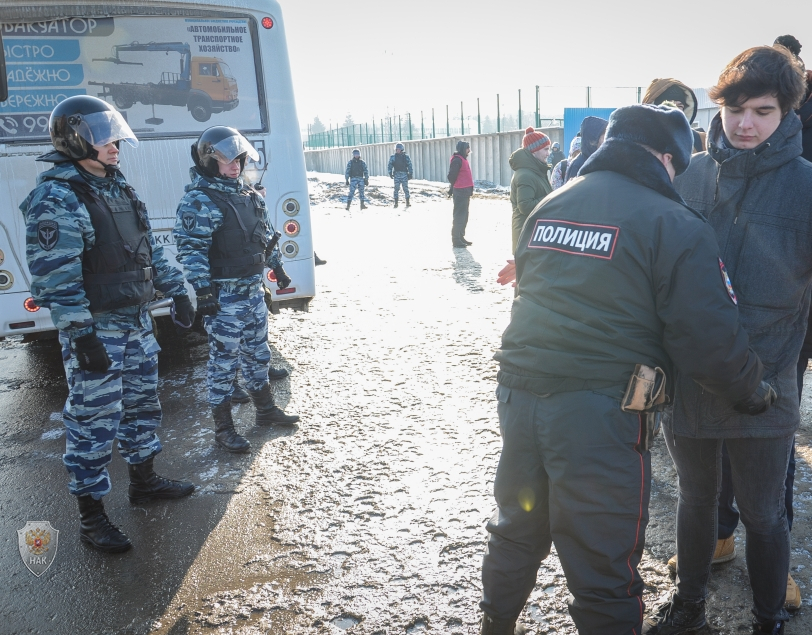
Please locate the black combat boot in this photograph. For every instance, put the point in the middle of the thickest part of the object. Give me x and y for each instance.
(675, 618)
(146, 485)
(274, 374)
(238, 395)
(96, 529)
(363, 205)
(224, 433)
(318, 261)
(769, 628)
(267, 412)
(396, 202)
(408, 204)
(348, 205)
(490, 626)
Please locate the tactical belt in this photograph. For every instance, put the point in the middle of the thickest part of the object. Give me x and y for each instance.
(139, 275)
(254, 259)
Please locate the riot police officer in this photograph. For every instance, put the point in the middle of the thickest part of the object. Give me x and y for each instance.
(95, 265)
(223, 234)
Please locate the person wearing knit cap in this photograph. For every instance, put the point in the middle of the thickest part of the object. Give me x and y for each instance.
(560, 170)
(592, 132)
(755, 189)
(616, 277)
(530, 183)
(672, 90)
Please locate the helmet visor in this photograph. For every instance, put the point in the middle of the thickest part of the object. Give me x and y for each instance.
(101, 128)
(228, 149)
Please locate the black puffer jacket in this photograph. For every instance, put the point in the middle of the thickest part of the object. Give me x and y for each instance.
(613, 270)
(759, 203)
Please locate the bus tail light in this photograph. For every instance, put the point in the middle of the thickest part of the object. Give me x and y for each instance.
(267, 23)
(30, 306)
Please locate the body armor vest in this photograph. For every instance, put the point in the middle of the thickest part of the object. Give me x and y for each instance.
(238, 247)
(117, 271)
(356, 169)
(400, 163)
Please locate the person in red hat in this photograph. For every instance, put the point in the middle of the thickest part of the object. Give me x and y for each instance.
(530, 182)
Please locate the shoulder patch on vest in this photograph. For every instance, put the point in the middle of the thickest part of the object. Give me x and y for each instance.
(595, 241)
(189, 220)
(728, 284)
(47, 234)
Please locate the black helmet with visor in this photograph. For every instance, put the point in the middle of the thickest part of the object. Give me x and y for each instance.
(220, 145)
(80, 122)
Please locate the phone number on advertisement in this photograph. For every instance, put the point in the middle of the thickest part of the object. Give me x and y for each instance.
(22, 126)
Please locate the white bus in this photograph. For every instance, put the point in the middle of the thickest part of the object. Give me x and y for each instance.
(173, 69)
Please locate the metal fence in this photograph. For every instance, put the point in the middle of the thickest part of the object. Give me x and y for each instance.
(473, 118)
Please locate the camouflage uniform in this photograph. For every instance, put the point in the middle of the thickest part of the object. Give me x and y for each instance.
(121, 403)
(357, 175)
(238, 333)
(401, 176)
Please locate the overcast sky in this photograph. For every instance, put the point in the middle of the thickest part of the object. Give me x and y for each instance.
(368, 57)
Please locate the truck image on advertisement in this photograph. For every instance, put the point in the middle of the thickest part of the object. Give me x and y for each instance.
(184, 59)
(204, 85)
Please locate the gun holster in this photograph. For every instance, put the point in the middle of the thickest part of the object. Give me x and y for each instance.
(646, 396)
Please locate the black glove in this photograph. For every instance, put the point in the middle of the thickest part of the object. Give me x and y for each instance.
(391, 176)
(346, 181)
(366, 181)
(207, 303)
(91, 353)
(450, 191)
(282, 278)
(758, 402)
(184, 311)
(409, 177)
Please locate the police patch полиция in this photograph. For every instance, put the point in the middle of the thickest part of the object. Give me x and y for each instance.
(596, 241)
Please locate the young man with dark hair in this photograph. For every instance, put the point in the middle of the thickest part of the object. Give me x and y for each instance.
(756, 192)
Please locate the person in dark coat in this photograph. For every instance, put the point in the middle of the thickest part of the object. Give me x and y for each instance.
(674, 91)
(756, 191)
(728, 514)
(556, 155)
(592, 131)
(530, 182)
(613, 271)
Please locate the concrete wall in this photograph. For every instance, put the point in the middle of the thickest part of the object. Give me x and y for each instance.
(430, 157)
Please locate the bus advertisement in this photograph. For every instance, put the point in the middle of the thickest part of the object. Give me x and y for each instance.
(172, 70)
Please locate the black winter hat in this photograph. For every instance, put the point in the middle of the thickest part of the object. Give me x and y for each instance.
(661, 128)
(462, 146)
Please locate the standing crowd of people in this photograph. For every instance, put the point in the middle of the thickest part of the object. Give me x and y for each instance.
(662, 280)
(663, 284)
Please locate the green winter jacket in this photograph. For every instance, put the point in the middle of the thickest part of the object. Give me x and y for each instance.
(528, 187)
